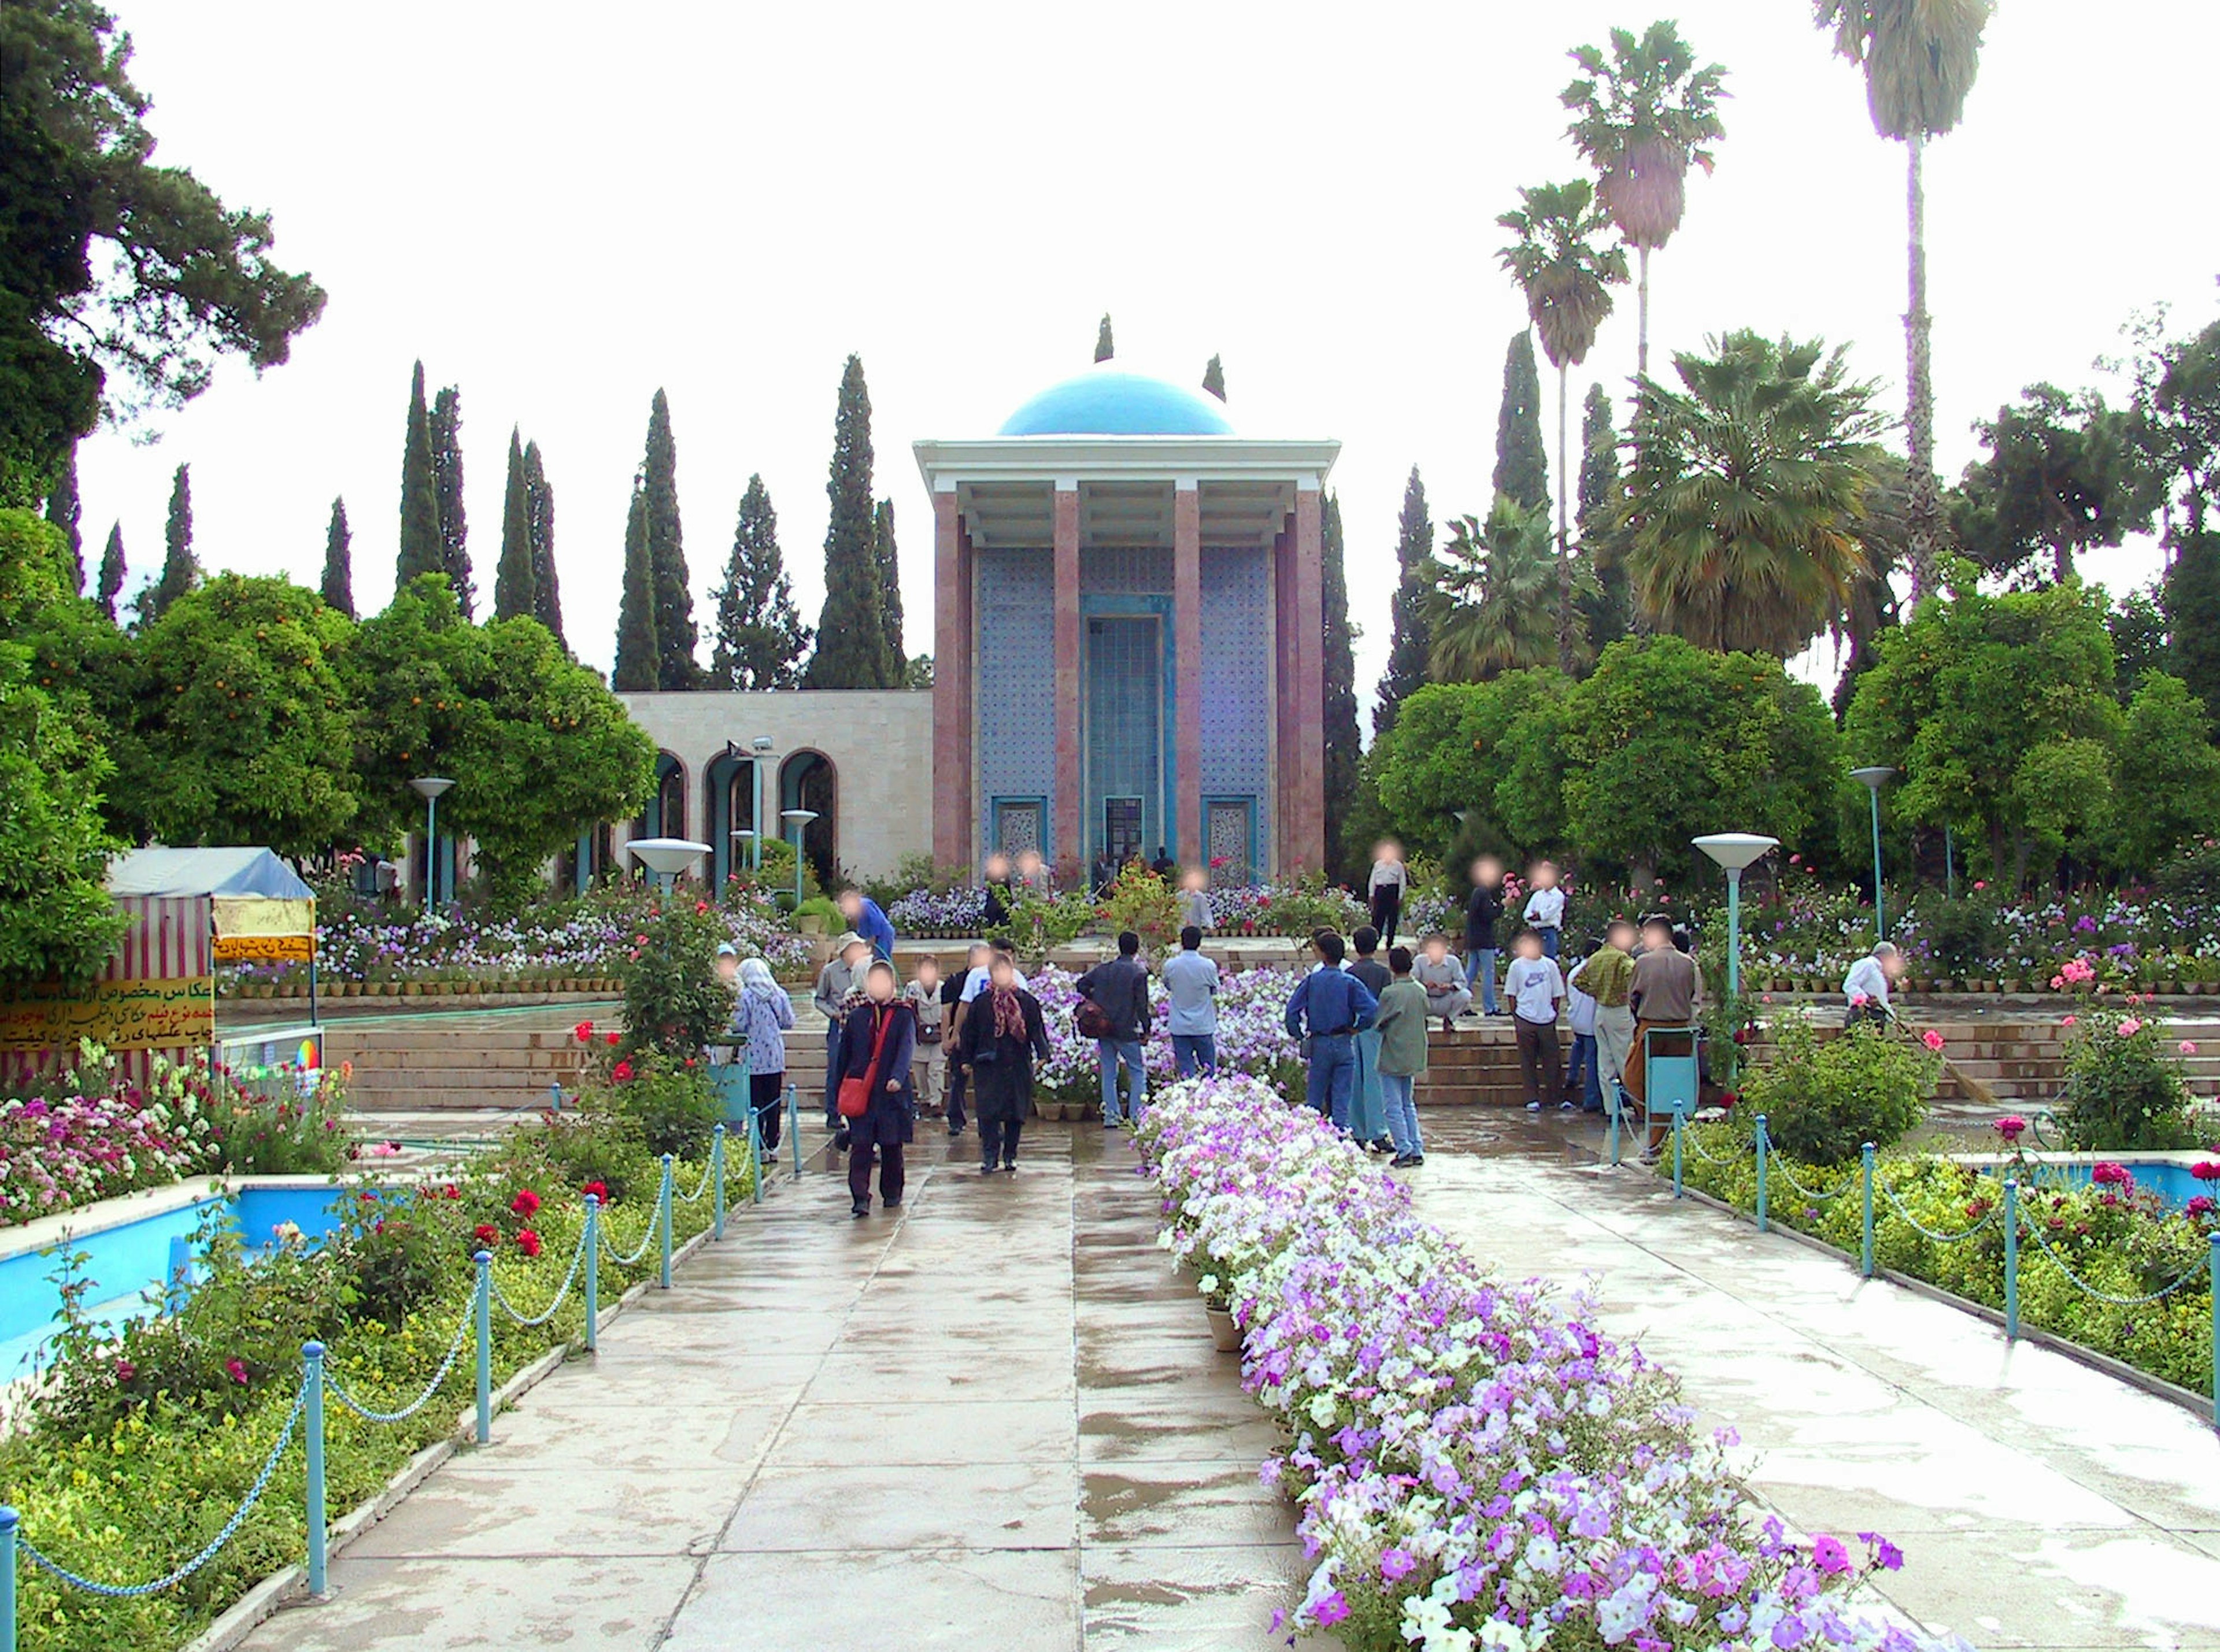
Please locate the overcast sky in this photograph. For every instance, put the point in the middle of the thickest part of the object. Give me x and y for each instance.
(560, 208)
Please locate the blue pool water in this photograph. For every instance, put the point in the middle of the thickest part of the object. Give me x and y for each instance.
(127, 1264)
(2171, 1180)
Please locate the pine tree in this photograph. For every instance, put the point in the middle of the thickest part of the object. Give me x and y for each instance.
(637, 669)
(546, 596)
(890, 603)
(447, 434)
(675, 635)
(420, 504)
(513, 595)
(2190, 595)
(1213, 379)
(1104, 349)
(1344, 744)
(338, 562)
(1408, 641)
(65, 511)
(180, 571)
(850, 630)
(1522, 462)
(760, 637)
(1606, 606)
(111, 572)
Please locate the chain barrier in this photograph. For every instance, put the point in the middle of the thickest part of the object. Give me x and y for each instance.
(1922, 1229)
(1780, 1169)
(563, 1290)
(609, 1245)
(2106, 1296)
(333, 1388)
(1691, 1138)
(708, 1175)
(137, 1591)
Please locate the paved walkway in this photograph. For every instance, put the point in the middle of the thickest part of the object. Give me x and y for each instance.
(2038, 1503)
(993, 1420)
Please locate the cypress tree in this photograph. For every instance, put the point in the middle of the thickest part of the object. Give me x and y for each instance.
(1606, 608)
(2190, 596)
(1104, 348)
(760, 637)
(420, 505)
(447, 434)
(513, 593)
(1213, 379)
(65, 511)
(338, 562)
(637, 669)
(1522, 464)
(890, 603)
(180, 571)
(851, 636)
(1344, 744)
(675, 634)
(1416, 573)
(539, 498)
(111, 572)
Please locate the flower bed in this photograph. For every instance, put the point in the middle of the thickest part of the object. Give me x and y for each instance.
(1252, 1036)
(1475, 1465)
(2124, 1241)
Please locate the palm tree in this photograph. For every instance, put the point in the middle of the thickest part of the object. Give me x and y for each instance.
(1489, 613)
(1920, 59)
(1748, 494)
(1642, 119)
(1566, 278)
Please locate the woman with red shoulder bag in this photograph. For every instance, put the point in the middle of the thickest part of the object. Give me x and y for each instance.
(877, 1106)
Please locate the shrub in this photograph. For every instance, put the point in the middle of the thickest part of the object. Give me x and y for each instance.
(1142, 901)
(666, 1103)
(281, 1122)
(1037, 928)
(1823, 1099)
(1963, 935)
(674, 1001)
(2123, 1085)
(2192, 877)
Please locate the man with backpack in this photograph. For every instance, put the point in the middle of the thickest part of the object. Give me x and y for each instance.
(1113, 1011)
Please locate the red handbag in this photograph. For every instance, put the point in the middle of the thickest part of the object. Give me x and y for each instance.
(854, 1095)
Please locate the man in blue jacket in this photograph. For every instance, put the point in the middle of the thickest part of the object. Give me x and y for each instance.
(1330, 1006)
(865, 918)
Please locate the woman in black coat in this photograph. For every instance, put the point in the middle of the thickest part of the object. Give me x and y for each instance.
(883, 1023)
(1003, 1036)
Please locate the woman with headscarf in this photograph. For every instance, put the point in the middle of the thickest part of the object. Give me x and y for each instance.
(878, 1041)
(763, 1013)
(1003, 1036)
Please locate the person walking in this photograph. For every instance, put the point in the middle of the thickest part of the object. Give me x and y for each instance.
(1367, 1112)
(1327, 1010)
(1118, 990)
(1483, 919)
(929, 1072)
(878, 1041)
(1606, 974)
(1447, 996)
(1867, 984)
(1195, 900)
(958, 993)
(1401, 1026)
(1003, 1037)
(1191, 987)
(866, 919)
(1663, 992)
(840, 983)
(1545, 906)
(763, 1017)
(1537, 992)
(1390, 879)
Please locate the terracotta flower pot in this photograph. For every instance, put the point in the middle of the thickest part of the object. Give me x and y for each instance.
(1224, 1335)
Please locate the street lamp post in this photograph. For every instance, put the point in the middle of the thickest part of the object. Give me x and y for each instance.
(796, 819)
(1873, 780)
(755, 857)
(1733, 850)
(761, 746)
(430, 787)
(666, 857)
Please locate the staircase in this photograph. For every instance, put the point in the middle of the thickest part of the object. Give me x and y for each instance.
(456, 1062)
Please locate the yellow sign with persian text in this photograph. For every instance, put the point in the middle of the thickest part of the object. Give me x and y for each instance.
(170, 1015)
(264, 948)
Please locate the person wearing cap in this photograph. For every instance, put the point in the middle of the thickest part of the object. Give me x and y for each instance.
(728, 971)
(839, 984)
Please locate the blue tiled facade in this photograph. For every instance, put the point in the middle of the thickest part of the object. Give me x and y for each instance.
(1237, 683)
(1016, 677)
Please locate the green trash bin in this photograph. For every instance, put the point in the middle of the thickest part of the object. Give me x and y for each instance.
(729, 1077)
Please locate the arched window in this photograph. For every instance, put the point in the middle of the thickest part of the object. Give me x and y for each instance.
(666, 810)
(806, 781)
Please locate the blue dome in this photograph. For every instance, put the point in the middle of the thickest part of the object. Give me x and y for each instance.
(1109, 401)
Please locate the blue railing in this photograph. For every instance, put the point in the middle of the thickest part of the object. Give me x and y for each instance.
(318, 1389)
(2006, 1212)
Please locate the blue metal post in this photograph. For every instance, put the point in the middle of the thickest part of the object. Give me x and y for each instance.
(755, 1156)
(2215, 1330)
(2012, 1260)
(1611, 1133)
(717, 1175)
(794, 1125)
(554, 1098)
(1680, 1118)
(1763, 1153)
(1880, 920)
(1865, 1220)
(665, 1278)
(593, 1270)
(1734, 932)
(181, 1272)
(485, 1347)
(312, 1380)
(8, 1519)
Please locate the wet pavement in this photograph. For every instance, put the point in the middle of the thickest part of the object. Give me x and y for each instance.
(993, 1418)
(2038, 1502)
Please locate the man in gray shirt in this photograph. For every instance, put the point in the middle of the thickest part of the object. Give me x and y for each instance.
(1191, 985)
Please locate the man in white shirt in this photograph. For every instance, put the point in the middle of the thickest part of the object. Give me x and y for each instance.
(1545, 906)
(1867, 983)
